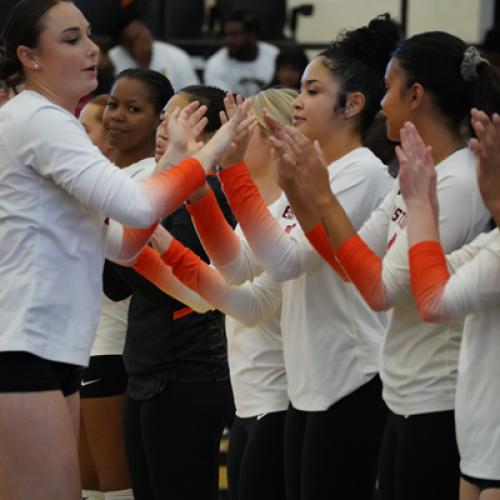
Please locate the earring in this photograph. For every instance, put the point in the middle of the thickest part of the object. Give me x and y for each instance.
(36, 66)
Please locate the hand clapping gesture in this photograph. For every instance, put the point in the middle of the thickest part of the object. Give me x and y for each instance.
(417, 173)
(299, 163)
(224, 140)
(486, 147)
(178, 134)
(417, 182)
(236, 153)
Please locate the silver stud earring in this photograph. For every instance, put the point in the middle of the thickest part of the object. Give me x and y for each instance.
(36, 66)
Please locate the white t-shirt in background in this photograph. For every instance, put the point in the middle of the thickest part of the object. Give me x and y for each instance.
(167, 59)
(245, 78)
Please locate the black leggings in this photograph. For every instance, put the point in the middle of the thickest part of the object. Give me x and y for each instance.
(419, 458)
(255, 460)
(172, 440)
(332, 454)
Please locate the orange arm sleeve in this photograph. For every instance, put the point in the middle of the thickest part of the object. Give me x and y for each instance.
(169, 189)
(150, 265)
(197, 274)
(135, 238)
(319, 240)
(220, 241)
(429, 275)
(248, 205)
(247, 306)
(187, 266)
(364, 268)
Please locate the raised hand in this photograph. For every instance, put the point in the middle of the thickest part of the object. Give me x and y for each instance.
(417, 173)
(236, 153)
(305, 167)
(283, 159)
(222, 141)
(161, 239)
(179, 133)
(486, 147)
(274, 127)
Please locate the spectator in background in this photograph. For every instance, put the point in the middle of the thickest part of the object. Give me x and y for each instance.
(270, 14)
(105, 68)
(290, 64)
(138, 48)
(107, 17)
(245, 65)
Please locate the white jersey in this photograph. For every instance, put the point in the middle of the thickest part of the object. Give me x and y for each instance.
(56, 190)
(331, 338)
(474, 289)
(245, 78)
(167, 59)
(112, 326)
(420, 360)
(255, 354)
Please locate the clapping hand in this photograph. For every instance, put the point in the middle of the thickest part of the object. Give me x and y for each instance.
(417, 173)
(178, 134)
(486, 147)
(236, 153)
(299, 163)
(222, 143)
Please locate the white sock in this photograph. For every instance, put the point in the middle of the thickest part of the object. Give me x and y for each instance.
(92, 495)
(119, 495)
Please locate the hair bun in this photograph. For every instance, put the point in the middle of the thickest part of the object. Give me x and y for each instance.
(471, 62)
(373, 44)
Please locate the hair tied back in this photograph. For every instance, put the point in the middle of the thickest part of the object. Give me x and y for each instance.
(471, 61)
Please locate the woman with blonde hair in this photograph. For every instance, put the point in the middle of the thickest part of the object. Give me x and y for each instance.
(253, 309)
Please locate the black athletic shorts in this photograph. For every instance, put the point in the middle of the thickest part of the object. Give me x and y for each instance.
(482, 484)
(25, 372)
(105, 376)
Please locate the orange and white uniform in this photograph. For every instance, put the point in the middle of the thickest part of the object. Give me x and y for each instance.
(419, 360)
(56, 191)
(472, 290)
(331, 338)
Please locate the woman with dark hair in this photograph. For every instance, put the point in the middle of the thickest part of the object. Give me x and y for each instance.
(253, 308)
(331, 339)
(289, 66)
(129, 118)
(54, 242)
(178, 398)
(432, 80)
(463, 283)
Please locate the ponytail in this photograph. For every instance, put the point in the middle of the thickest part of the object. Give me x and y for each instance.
(484, 80)
(455, 75)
